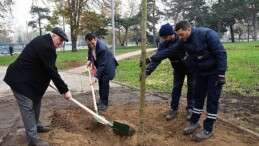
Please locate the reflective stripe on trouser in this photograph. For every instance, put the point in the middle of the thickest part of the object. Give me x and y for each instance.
(206, 86)
(30, 113)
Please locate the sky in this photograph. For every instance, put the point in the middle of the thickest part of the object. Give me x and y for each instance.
(21, 13)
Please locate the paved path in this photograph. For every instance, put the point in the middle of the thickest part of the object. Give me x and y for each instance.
(4, 88)
(82, 69)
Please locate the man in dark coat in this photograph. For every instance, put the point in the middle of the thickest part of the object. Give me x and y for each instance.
(169, 38)
(29, 77)
(11, 50)
(101, 57)
(206, 53)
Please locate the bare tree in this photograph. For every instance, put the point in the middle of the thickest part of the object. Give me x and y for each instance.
(72, 11)
(5, 15)
(143, 68)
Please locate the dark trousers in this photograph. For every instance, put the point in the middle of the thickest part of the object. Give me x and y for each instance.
(177, 89)
(30, 113)
(104, 88)
(206, 86)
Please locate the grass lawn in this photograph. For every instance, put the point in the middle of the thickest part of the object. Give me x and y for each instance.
(242, 75)
(68, 59)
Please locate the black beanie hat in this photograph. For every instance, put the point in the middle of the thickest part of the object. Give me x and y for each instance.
(166, 30)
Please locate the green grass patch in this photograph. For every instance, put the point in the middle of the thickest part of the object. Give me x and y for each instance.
(243, 68)
(159, 81)
(6, 60)
(242, 74)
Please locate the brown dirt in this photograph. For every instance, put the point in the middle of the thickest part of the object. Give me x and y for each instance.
(72, 64)
(72, 126)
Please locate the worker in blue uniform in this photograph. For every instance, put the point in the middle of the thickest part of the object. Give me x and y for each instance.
(169, 38)
(206, 54)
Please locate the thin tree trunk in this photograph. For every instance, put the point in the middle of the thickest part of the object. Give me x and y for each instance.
(248, 30)
(40, 27)
(255, 25)
(219, 28)
(73, 40)
(125, 37)
(143, 68)
(154, 22)
(232, 34)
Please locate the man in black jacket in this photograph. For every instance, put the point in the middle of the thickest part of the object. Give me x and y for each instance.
(11, 50)
(169, 38)
(29, 77)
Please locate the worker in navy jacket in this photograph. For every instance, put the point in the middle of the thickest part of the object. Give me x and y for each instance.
(102, 58)
(29, 77)
(169, 38)
(206, 54)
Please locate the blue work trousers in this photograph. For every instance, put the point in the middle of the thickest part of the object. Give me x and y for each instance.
(178, 81)
(206, 86)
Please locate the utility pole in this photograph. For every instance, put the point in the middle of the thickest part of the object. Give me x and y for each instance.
(64, 31)
(113, 29)
(27, 35)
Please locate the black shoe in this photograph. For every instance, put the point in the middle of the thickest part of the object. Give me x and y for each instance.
(102, 106)
(43, 129)
(171, 114)
(38, 142)
(189, 114)
(99, 101)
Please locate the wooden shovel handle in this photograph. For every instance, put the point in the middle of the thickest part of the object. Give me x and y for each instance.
(102, 119)
(92, 88)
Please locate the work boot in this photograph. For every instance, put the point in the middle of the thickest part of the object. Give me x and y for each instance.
(171, 114)
(102, 106)
(190, 128)
(99, 101)
(38, 142)
(42, 129)
(189, 114)
(204, 134)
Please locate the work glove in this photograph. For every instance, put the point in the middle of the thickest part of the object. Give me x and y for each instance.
(148, 60)
(221, 79)
(147, 74)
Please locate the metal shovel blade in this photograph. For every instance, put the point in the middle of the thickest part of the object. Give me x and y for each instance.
(123, 129)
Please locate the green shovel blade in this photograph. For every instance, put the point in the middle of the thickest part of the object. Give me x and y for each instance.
(123, 129)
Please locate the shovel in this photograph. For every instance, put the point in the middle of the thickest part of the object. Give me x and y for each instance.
(92, 87)
(93, 94)
(118, 128)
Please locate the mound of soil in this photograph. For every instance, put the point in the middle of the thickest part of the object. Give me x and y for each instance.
(74, 126)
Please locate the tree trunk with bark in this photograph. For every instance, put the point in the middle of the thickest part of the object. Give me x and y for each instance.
(143, 68)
